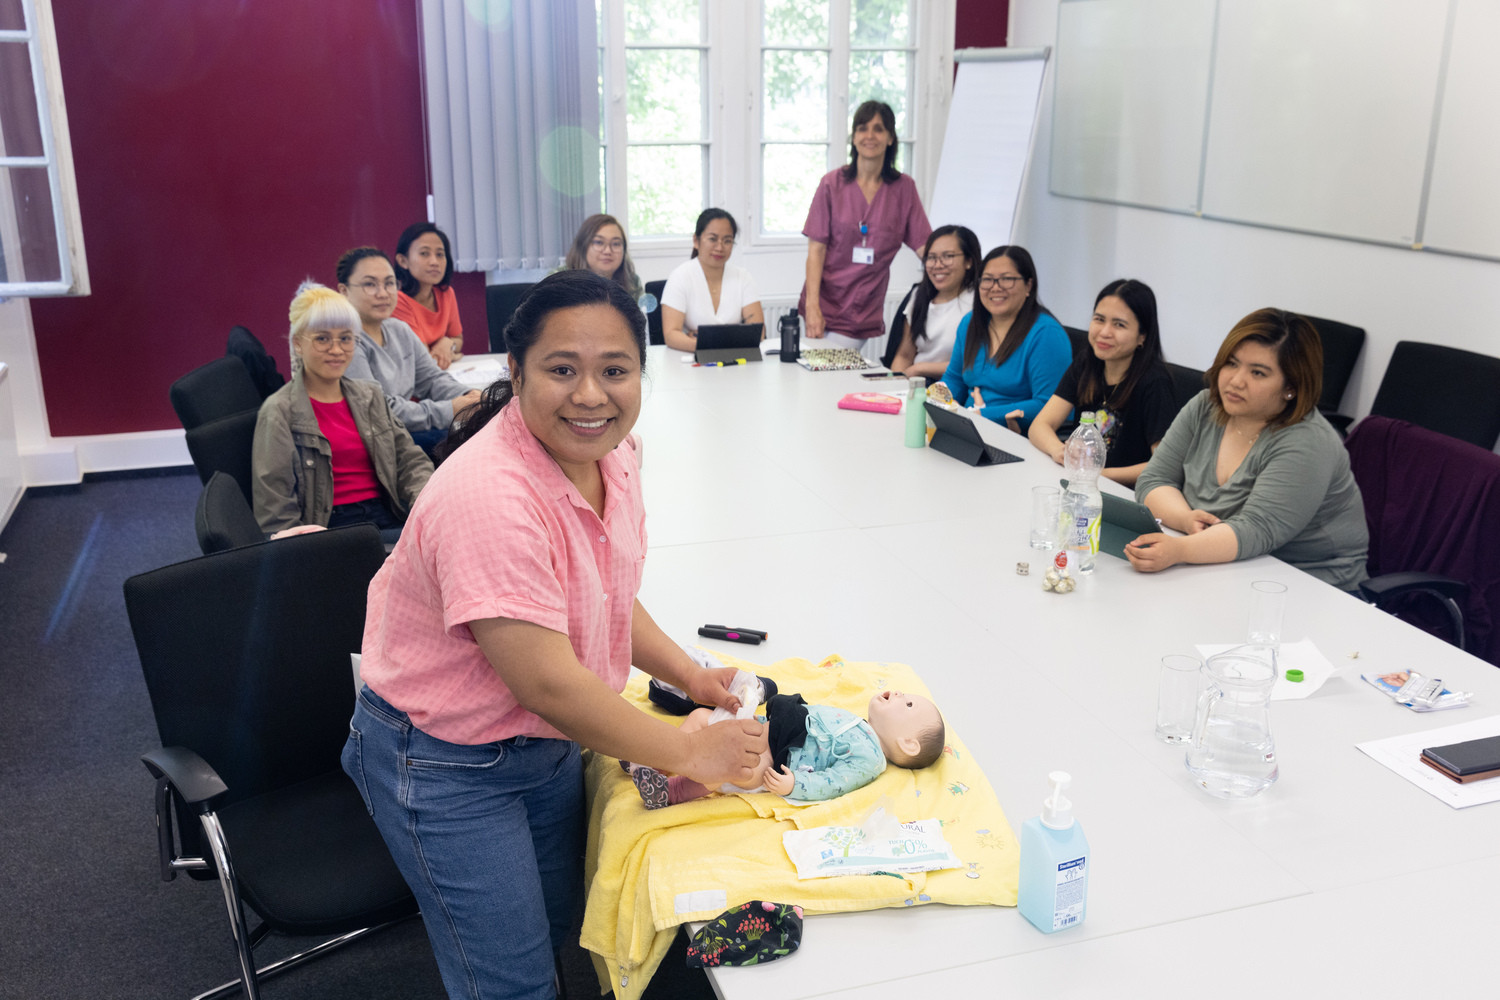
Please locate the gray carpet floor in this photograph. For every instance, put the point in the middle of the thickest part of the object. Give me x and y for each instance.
(83, 912)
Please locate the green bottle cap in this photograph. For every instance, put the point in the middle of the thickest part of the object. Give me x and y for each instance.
(1294, 675)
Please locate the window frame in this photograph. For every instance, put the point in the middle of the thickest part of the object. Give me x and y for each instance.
(40, 36)
(733, 57)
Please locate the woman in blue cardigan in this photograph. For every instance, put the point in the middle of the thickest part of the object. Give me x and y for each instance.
(1025, 353)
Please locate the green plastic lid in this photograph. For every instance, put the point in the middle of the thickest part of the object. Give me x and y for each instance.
(1294, 675)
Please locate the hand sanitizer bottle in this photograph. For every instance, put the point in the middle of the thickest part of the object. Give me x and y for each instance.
(1054, 863)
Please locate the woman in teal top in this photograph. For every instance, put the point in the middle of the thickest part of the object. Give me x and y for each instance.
(1025, 353)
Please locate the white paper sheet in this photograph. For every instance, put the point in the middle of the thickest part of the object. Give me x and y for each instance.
(1402, 754)
(1302, 655)
(480, 373)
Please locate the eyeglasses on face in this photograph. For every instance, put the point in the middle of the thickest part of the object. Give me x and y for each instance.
(600, 243)
(718, 241)
(325, 341)
(372, 285)
(934, 259)
(1005, 281)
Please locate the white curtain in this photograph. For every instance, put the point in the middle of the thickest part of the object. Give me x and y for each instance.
(512, 126)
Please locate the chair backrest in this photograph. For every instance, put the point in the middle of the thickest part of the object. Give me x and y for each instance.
(262, 367)
(1432, 504)
(653, 318)
(214, 390)
(224, 445)
(898, 329)
(1079, 339)
(224, 519)
(500, 303)
(1443, 389)
(1341, 346)
(246, 653)
(1186, 383)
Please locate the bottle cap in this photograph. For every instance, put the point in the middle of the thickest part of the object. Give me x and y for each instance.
(1294, 675)
(916, 382)
(1057, 810)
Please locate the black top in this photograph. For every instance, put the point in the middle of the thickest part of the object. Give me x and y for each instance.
(1130, 432)
(786, 717)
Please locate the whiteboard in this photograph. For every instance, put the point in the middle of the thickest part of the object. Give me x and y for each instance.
(1131, 100)
(987, 144)
(1463, 208)
(1321, 114)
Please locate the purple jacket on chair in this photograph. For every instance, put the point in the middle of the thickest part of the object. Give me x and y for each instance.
(1432, 504)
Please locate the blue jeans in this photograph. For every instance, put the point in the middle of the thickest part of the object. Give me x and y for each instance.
(488, 837)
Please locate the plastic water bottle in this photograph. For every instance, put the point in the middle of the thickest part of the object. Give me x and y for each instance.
(1082, 506)
(790, 329)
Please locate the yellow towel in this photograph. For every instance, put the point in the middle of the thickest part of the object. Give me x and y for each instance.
(650, 870)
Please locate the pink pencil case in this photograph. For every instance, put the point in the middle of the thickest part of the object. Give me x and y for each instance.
(878, 402)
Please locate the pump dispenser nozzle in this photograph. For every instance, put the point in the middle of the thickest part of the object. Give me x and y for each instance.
(1057, 810)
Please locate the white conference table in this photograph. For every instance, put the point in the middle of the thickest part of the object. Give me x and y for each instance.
(768, 507)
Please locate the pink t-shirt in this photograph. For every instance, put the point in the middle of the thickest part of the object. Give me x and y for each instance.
(852, 296)
(353, 473)
(429, 325)
(500, 532)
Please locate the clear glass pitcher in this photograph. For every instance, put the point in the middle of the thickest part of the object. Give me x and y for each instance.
(1231, 753)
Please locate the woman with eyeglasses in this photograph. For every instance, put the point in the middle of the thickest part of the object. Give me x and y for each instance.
(941, 300)
(601, 247)
(421, 395)
(859, 217)
(1010, 352)
(1122, 378)
(706, 288)
(426, 303)
(328, 452)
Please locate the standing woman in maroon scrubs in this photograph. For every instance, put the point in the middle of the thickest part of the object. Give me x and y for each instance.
(860, 216)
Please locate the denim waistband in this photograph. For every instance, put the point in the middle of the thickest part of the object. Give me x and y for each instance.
(401, 719)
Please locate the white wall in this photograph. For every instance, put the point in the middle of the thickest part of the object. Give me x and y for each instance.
(1209, 274)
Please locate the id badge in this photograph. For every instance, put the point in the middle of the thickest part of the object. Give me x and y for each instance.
(864, 255)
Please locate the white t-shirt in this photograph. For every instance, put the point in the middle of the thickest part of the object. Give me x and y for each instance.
(942, 325)
(687, 292)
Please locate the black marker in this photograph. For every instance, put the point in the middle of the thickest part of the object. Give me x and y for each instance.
(729, 634)
(747, 631)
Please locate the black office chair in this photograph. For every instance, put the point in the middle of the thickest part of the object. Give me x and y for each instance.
(898, 329)
(246, 659)
(1079, 339)
(653, 318)
(223, 520)
(1341, 346)
(1432, 505)
(500, 303)
(1186, 383)
(224, 445)
(1443, 389)
(214, 390)
(262, 367)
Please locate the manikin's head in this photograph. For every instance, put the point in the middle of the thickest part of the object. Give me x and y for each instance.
(910, 728)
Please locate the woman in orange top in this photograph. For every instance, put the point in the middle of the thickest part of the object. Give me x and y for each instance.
(426, 303)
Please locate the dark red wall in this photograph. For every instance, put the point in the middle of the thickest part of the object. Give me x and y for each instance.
(224, 152)
(981, 24)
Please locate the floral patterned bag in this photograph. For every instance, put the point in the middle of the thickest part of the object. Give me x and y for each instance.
(749, 934)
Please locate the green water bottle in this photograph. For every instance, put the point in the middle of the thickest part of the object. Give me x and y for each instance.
(916, 414)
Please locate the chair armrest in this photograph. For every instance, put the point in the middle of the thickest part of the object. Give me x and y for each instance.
(1388, 585)
(190, 775)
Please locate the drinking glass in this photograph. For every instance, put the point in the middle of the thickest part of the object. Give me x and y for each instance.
(1267, 608)
(1045, 501)
(1177, 697)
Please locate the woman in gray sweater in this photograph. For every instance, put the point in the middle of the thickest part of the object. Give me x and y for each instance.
(1250, 467)
(420, 394)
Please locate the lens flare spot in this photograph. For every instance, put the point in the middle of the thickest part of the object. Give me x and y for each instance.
(568, 159)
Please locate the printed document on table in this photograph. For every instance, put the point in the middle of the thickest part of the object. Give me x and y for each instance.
(1402, 754)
